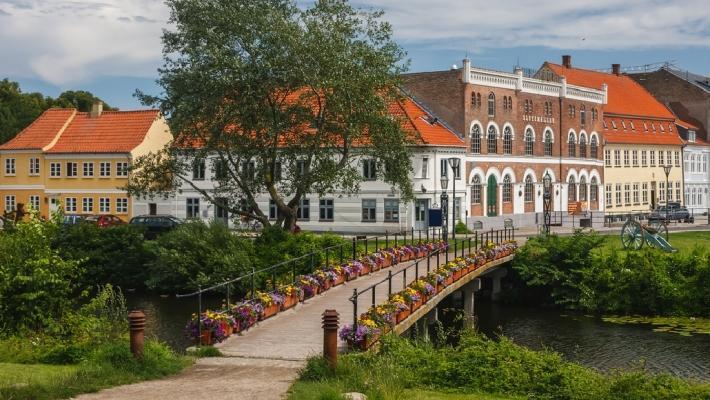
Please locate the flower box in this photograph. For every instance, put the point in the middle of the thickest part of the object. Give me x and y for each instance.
(325, 285)
(351, 276)
(401, 316)
(375, 267)
(227, 328)
(206, 337)
(340, 278)
(289, 302)
(457, 275)
(415, 305)
(269, 311)
(449, 280)
(387, 262)
(365, 269)
(364, 344)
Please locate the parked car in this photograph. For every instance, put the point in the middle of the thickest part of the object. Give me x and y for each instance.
(104, 220)
(672, 212)
(73, 219)
(156, 224)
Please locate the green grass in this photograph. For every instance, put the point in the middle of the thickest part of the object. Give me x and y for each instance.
(326, 391)
(685, 242)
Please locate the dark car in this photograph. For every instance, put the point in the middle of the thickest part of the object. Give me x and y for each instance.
(671, 212)
(73, 219)
(104, 220)
(156, 224)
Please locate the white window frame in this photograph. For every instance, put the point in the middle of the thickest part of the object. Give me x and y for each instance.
(55, 170)
(10, 202)
(122, 169)
(87, 169)
(87, 205)
(34, 202)
(72, 169)
(10, 166)
(104, 169)
(34, 166)
(122, 205)
(104, 205)
(70, 204)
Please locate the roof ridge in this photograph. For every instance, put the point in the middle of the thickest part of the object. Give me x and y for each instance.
(35, 122)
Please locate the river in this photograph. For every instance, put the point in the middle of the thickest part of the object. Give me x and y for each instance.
(587, 340)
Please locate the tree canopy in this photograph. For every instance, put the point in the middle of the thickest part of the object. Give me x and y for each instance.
(276, 99)
(18, 109)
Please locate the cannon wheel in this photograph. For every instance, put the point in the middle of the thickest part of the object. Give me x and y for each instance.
(632, 235)
(661, 228)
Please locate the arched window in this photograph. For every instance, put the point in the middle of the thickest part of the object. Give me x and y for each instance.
(548, 143)
(492, 140)
(507, 140)
(571, 189)
(582, 115)
(593, 189)
(478, 100)
(583, 146)
(476, 139)
(583, 189)
(571, 145)
(473, 99)
(507, 189)
(491, 105)
(476, 190)
(529, 142)
(529, 189)
(593, 147)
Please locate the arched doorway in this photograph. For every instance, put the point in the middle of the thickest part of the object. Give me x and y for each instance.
(492, 196)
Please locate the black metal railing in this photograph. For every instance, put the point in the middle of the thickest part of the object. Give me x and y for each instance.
(456, 248)
(616, 218)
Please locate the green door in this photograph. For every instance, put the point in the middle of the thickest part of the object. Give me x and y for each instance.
(492, 196)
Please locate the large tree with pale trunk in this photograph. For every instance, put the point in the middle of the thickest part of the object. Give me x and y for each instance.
(280, 99)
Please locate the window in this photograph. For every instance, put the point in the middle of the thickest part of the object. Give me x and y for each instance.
(594, 189)
(369, 169)
(548, 143)
(507, 189)
(425, 167)
(692, 163)
(652, 154)
(529, 142)
(617, 158)
(607, 196)
(476, 190)
(662, 191)
(87, 205)
(326, 209)
(369, 210)
(273, 210)
(276, 171)
(444, 167)
(9, 203)
(478, 100)
(72, 169)
(104, 205)
(9, 166)
(88, 169)
(571, 145)
(571, 189)
(34, 202)
(505, 102)
(594, 114)
(198, 170)
(55, 169)
(491, 105)
(473, 99)
(593, 147)
(644, 193)
(122, 205)
(677, 192)
(34, 166)
(607, 158)
(627, 194)
(492, 140)
(636, 193)
(661, 160)
(582, 115)
(304, 210)
(529, 189)
(457, 171)
(249, 170)
(669, 157)
(583, 188)
(644, 158)
(122, 169)
(193, 207)
(571, 111)
(507, 141)
(626, 158)
(70, 204)
(526, 106)
(221, 169)
(583, 146)
(457, 208)
(391, 210)
(105, 169)
(635, 158)
(476, 139)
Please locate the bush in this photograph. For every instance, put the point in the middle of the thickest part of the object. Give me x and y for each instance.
(276, 245)
(461, 228)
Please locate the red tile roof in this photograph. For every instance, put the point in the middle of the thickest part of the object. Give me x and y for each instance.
(625, 96)
(422, 126)
(112, 132)
(640, 131)
(685, 124)
(42, 131)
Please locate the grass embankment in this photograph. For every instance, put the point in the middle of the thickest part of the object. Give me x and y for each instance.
(480, 368)
(685, 242)
(108, 365)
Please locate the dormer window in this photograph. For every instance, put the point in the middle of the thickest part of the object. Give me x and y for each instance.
(653, 127)
(613, 124)
(623, 125)
(633, 128)
(645, 127)
(691, 136)
(670, 127)
(604, 123)
(662, 128)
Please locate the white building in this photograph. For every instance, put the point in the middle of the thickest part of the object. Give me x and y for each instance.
(696, 155)
(376, 208)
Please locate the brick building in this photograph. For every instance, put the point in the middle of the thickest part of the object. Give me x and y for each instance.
(517, 129)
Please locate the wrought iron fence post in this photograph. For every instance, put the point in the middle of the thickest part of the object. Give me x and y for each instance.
(455, 249)
(199, 313)
(427, 233)
(273, 279)
(404, 278)
(420, 235)
(253, 286)
(377, 243)
(404, 233)
(313, 262)
(428, 263)
(354, 299)
(341, 253)
(229, 306)
(327, 254)
(389, 282)
(354, 246)
(387, 239)
(416, 270)
(374, 302)
(293, 273)
(411, 238)
(475, 238)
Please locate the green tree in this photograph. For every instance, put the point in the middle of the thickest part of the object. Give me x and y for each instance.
(283, 100)
(79, 99)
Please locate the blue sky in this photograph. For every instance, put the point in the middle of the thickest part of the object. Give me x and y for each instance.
(112, 47)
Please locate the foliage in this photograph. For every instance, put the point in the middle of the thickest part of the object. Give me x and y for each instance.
(276, 245)
(280, 97)
(572, 273)
(480, 365)
(461, 228)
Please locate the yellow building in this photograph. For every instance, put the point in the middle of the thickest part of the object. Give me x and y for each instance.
(79, 160)
(640, 139)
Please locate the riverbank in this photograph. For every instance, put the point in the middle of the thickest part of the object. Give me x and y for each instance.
(480, 368)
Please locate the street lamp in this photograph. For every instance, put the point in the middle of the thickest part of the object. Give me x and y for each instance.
(445, 207)
(667, 170)
(454, 163)
(547, 201)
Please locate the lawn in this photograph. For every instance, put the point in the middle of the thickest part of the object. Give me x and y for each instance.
(685, 242)
(22, 375)
(325, 391)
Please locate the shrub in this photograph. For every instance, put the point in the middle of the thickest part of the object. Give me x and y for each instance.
(461, 228)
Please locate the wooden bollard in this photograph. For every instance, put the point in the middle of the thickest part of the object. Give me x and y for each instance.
(330, 337)
(136, 324)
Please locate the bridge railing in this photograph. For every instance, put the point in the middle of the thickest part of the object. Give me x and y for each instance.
(456, 248)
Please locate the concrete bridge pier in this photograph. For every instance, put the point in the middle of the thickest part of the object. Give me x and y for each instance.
(497, 276)
(424, 323)
(469, 295)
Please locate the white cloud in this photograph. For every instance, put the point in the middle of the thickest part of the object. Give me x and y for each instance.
(65, 42)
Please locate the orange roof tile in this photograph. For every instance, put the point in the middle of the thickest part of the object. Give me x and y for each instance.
(42, 131)
(640, 131)
(418, 122)
(625, 96)
(685, 124)
(112, 132)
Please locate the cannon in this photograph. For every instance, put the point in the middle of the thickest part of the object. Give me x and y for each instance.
(634, 235)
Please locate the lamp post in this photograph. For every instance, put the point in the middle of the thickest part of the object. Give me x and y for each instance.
(547, 201)
(667, 170)
(445, 207)
(454, 164)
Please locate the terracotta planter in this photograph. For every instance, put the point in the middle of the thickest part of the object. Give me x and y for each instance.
(350, 277)
(365, 344)
(325, 286)
(439, 287)
(415, 305)
(401, 316)
(457, 275)
(206, 338)
(376, 267)
(269, 311)
(339, 280)
(289, 302)
(449, 280)
(387, 262)
(365, 269)
(227, 329)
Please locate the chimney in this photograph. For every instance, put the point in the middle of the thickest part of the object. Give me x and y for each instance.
(466, 78)
(96, 109)
(616, 69)
(567, 61)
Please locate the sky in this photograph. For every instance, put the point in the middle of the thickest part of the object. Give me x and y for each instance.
(112, 47)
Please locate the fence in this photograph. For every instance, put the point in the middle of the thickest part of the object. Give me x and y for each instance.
(472, 243)
(610, 219)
